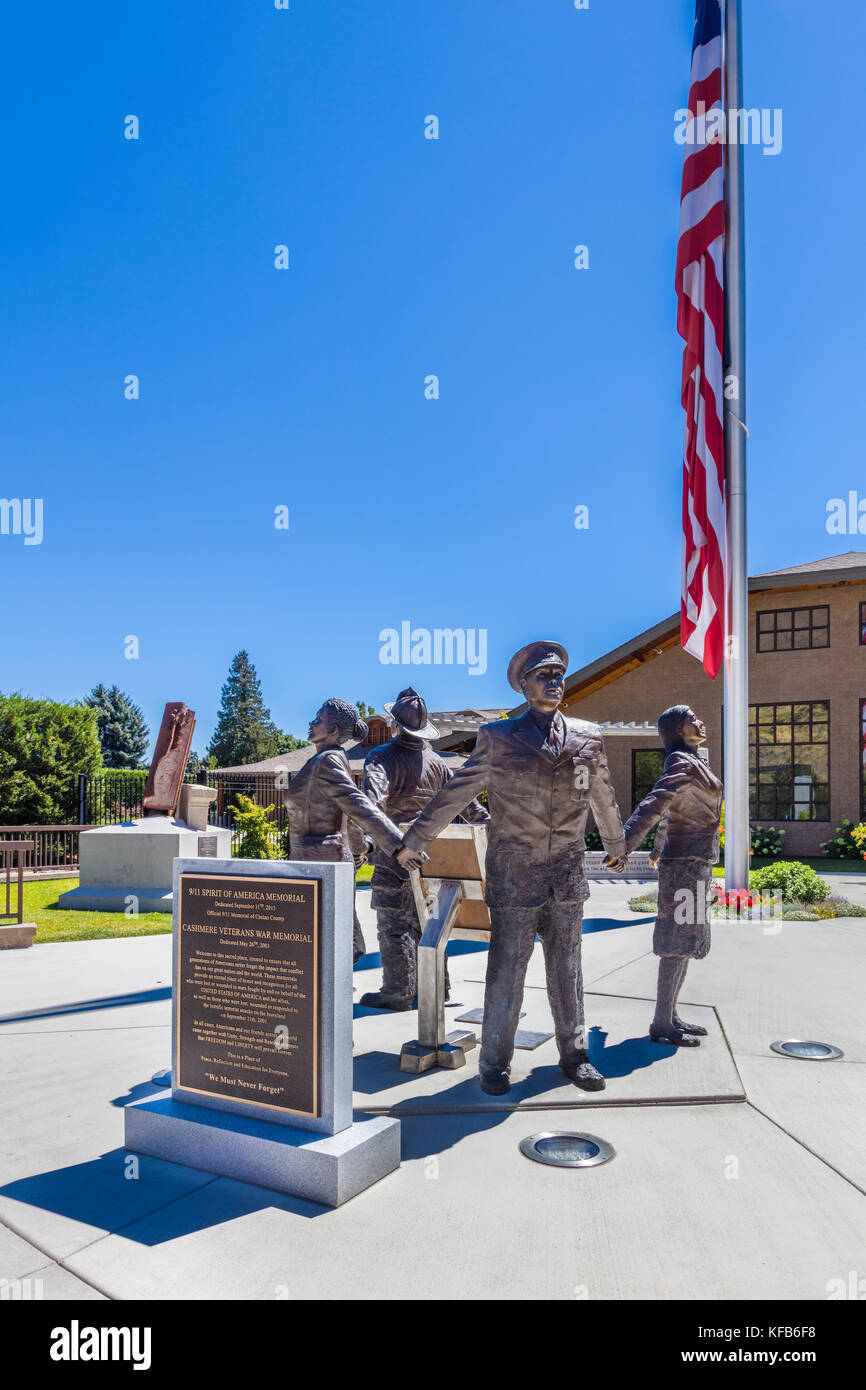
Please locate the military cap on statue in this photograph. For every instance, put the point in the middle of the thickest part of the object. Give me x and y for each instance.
(410, 712)
(531, 657)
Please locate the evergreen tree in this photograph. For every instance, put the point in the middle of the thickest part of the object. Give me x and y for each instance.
(123, 733)
(198, 765)
(244, 731)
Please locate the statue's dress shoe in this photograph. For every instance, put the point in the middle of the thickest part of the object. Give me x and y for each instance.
(580, 1070)
(494, 1083)
(674, 1036)
(398, 1004)
(695, 1028)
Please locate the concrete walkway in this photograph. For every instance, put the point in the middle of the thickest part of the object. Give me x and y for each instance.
(761, 1197)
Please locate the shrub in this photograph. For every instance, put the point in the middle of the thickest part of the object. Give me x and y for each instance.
(838, 907)
(797, 882)
(843, 845)
(766, 841)
(858, 835)
(256, 839)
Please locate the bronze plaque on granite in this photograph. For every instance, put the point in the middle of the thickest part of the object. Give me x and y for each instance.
(247, 990)
(207, 846)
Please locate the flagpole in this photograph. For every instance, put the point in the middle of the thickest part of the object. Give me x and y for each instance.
(736, 695)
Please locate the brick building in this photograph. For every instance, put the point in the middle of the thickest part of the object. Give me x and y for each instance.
(807, 690)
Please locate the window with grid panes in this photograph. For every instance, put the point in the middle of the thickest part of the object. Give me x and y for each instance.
(789, 761)
(792, 629)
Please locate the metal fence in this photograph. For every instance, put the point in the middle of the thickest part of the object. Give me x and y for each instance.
(54, 846)
(14, 849)
(107, 798)
(111, 798)
(260, 787)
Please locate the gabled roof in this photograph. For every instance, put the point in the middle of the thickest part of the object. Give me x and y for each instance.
(294, 761)
(851, 560)
(848, 568)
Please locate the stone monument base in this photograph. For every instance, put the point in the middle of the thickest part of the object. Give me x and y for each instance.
(135, 860)
(317, 1167)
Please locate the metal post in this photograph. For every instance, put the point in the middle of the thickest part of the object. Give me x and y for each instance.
(434, 1047)
(736, 771)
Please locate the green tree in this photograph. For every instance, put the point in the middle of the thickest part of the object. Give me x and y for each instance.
(196, 764)
(43, 746)
(364, 710)
(123, 733)
(245, 732)
(287, 743)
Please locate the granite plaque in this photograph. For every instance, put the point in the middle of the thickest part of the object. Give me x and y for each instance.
(247, 990)
(207, 846)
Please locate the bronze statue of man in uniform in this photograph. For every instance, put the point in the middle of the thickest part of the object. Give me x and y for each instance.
(543, 773)
(401, 777)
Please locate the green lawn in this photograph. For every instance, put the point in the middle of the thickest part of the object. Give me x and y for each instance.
(54, 923)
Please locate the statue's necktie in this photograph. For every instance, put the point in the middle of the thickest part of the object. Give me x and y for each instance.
(553, 742)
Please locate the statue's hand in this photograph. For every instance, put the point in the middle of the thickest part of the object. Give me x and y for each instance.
(410, 858)
(618, 864)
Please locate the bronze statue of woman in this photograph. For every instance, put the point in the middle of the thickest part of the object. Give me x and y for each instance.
(327, 812)
(689, 798)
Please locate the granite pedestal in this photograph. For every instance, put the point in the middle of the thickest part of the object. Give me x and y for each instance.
(232, 949)
(134, 861)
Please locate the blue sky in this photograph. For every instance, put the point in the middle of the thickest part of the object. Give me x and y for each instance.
(408, 257)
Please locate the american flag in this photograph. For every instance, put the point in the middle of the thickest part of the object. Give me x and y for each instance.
(700, 322)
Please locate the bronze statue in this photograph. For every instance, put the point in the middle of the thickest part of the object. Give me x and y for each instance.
(686, 803)
(543, 773)
(322, 800)
(401, 777)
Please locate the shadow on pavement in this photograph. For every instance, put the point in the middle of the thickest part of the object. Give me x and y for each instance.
(623, 1058)
(388, 1077)
(110, 1001)
(138, 1092)
(594, 924)
(164, 1202)
(424, 1136)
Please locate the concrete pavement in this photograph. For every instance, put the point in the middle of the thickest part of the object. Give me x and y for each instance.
(761, 1198)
